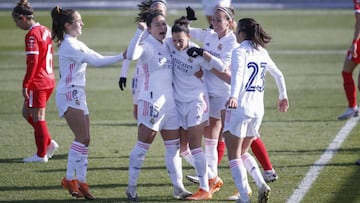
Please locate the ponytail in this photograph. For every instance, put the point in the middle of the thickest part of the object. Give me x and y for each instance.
(59, 17)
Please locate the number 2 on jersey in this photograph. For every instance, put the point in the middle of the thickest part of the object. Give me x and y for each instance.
(252, 85)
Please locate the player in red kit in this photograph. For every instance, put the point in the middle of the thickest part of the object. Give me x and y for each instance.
(39, 80)
(351, 61)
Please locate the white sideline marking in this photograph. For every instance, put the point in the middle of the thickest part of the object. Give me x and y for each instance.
(315, 170)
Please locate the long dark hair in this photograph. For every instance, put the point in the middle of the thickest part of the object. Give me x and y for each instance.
(59, 17)
(23, 8)
(254, 32)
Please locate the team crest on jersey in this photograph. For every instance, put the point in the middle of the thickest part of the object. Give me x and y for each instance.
(207, 44)
(190, 59)
(31, 42)
(152, 120)
(219, 47)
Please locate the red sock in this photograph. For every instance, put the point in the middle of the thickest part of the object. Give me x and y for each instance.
(261, 154)
(349, 87)
(31, 121)
(42, 137)
(221, 150)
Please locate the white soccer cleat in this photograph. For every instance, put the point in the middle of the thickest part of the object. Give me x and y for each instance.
(264, 194)
(51, 149)
(181, 193)
(131, 194)
(35, 158)
(350, 112)
(270, 176)
(236, 195)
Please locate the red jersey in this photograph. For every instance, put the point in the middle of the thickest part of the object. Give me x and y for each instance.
(357, 6)
(39, 59)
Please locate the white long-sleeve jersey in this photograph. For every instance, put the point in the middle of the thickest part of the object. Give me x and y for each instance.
(221, 49)
(156, 86)
(74, 56)
(187, 87)
(248, 70)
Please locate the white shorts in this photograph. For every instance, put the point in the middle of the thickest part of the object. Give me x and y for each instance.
(216, 104)
(157, 118)
(241, 125)
(75, 98)
(193, 113)
(209, 6)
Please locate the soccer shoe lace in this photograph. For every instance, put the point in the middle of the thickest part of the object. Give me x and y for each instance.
(215, 184)
(350, 112)
(72, 187)
(35, 158)
(200, 195)
(84, 189)
(264, 194)
(51, 148)
(181, 193)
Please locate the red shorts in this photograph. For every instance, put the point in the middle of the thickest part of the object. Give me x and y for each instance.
(38, 98)
(353, 59)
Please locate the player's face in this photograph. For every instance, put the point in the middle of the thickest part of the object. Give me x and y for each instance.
(21, 23)
(158, 28)
(220, 23)
(180, 40)
(75, 27)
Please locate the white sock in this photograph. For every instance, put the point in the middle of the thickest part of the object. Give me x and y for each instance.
(253, 168)
(188, 157)
(82, 166)
(239, 174)
(211, 154)
(74, 158)
(136, 159)
(201, 168)
(173, 162)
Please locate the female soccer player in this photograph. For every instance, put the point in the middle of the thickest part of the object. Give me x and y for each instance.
(245, 107)
(156, 104)
(350, 63)
(74, 56)
(138, 75)
(192, 105)
(217, 43)
(39, 80)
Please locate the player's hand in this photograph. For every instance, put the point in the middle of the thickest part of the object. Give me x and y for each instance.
(190, 13)
(122, 83)
(283, 105)
(353, 50)
(25, 93)
(232, 103)
(194, 52)
(142, 26)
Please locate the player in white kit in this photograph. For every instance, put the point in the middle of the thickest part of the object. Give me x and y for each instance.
(138, 75)
(156, 103)
(217, 43)
(209, 7)
(74, 56)
(192, 105)
(250, 62)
